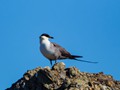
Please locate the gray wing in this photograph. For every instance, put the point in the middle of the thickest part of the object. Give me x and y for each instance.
(64, 54)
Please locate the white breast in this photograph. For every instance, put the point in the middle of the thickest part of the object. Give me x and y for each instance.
(46, 50)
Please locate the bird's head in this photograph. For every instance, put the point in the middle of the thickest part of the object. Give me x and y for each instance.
(45, 36)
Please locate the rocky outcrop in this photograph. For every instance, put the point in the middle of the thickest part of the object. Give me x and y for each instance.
(60, 78)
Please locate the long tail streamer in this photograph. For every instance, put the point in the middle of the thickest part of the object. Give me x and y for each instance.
(84, 61)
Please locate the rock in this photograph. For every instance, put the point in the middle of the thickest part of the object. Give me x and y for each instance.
(59, 67)
(61, 78)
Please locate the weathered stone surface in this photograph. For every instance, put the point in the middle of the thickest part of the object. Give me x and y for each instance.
(61, 78)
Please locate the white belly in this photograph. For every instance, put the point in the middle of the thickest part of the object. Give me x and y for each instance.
(47, 52)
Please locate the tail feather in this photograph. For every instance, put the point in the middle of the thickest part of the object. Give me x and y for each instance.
(85, 61)
(75, 56)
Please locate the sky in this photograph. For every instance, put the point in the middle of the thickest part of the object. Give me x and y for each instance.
(90, 28)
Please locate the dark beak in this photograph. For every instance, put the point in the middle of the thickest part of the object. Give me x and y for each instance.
(51, 37)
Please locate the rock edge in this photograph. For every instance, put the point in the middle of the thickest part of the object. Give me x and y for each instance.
(60, 78)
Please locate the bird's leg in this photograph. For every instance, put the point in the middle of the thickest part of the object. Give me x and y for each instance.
(55, 61)
(51, 62)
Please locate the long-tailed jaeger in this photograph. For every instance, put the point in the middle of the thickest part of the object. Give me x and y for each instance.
(53, 51)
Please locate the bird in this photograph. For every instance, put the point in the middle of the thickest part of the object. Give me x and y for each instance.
(54, 52)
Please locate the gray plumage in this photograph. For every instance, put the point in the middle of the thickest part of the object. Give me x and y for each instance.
(53, 51)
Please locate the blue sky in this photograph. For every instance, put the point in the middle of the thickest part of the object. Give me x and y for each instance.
(90, 28)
